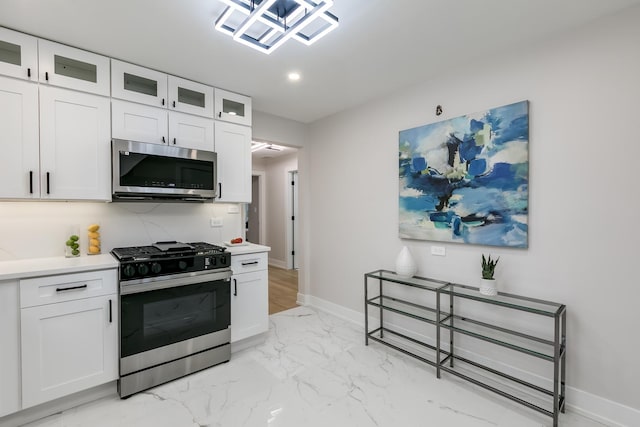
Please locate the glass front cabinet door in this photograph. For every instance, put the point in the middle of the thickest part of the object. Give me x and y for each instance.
(232, 107)
(77, 69)
(18, 55)
(138, 84)
(190, 97)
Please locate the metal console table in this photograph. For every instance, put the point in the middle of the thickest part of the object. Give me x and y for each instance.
(443, 355)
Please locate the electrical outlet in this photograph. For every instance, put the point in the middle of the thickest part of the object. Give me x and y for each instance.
(216, 222)
(438, 250)
(233, 209)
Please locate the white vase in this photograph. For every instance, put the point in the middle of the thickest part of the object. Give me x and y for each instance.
(489, 287)
(405, 265)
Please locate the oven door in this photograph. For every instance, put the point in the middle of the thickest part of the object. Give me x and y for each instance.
(173, 318)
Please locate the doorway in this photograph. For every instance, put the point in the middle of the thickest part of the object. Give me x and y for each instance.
(276, 167)
(254, 213)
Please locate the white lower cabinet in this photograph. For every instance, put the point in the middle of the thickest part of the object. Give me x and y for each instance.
(70, 345)
(9, 347)
(249, 296)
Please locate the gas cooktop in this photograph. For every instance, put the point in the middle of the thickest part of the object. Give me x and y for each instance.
(169, 258)
(166, 249)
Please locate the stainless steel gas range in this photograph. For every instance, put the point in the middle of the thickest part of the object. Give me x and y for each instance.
(175, 312)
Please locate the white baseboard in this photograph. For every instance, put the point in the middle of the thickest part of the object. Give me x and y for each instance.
(278, 263)
(578, 401)
(302, 299)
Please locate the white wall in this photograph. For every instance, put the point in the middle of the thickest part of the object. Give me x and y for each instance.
(39, 229)
(267, 127)
(584, 108)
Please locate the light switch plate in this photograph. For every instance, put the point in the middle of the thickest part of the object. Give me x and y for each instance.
(438, 250)
(233, 209)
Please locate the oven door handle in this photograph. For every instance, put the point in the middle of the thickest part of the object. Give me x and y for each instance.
(172, 283)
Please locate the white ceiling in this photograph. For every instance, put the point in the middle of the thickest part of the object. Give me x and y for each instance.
(380, 46)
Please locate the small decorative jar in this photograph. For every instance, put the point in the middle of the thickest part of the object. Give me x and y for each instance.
(72, 244)
(93, 239)
(405, 265)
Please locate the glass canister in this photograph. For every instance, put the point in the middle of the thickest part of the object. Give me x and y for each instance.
(72, 244)
(93, 239)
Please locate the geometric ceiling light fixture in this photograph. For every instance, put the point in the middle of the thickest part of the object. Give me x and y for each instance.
(266, 25)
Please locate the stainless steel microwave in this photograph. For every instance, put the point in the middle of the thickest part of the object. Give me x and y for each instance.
(156, 172)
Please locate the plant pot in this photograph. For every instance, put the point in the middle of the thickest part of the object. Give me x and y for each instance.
(489, 287)
(405, 265)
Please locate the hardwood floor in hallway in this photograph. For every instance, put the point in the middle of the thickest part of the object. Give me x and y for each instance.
(283, 289)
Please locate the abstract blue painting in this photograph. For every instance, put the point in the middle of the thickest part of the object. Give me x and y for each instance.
(466, 179)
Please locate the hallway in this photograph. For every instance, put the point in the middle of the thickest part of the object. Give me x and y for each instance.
(283, 289)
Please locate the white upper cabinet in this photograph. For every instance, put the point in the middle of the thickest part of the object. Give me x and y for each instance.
(18, 55)
(77, 69)
(138, 84)
(232, 107)
(190, 131)
(233, 145)
(137, 122)
(75, 145)
(19, 163)
(190, 97)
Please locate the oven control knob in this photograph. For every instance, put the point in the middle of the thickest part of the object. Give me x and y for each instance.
(128, 270)
(223, 260)
(143, 269)
(156, 268)
(182, 265)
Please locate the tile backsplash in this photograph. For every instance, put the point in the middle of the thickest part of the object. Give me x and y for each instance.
(40, 229)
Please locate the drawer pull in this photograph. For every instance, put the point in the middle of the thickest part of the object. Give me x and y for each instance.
(72, 288)
(235, 287)
(249, 263)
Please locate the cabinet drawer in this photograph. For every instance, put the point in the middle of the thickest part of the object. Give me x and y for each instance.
(67, 287)
(249, 262)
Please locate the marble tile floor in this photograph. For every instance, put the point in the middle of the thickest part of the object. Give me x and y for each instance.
(313, 370)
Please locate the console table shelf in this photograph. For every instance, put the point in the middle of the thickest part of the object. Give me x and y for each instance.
(443, 356)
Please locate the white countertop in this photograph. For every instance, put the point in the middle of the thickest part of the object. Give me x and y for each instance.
(35, 267)
(249, 248)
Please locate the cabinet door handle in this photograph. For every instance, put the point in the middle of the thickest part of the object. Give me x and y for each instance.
(250, 263)
(31, 182)
(110, 312)
(162, 101)
(48, 181)
(28, 72)
(174, 104)
(46, 75)
(220, 114)
(235, 287)
(71, 288)
(174, 141)
(163, 140)
(219, 190)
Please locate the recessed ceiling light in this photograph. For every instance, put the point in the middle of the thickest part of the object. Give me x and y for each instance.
(294, 77)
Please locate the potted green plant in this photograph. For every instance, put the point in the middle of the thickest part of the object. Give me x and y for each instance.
(488, 285)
